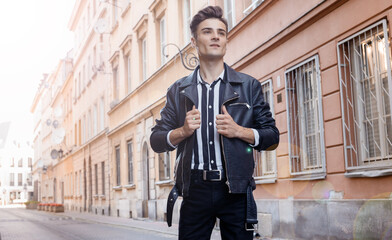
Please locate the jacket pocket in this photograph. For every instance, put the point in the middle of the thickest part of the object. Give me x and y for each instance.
(239, 105)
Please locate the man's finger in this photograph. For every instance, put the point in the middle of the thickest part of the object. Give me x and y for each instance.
(224, 110)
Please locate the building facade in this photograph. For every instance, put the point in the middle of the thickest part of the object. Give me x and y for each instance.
(16, 159)
(325, 69)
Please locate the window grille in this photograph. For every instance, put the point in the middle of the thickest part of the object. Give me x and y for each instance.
(164, 166)
(366, 89)
(118, 167)
(304, 118)
(265, 161)
(130, 163)
(103, 177)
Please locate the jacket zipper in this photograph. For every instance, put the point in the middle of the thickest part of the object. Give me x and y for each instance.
(246, 104)
(223, 146)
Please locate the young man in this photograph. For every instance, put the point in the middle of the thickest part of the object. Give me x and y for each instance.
(214, 117)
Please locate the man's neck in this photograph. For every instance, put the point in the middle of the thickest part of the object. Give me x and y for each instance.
(210, 70)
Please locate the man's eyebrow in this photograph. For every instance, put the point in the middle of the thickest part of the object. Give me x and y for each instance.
(208, 28)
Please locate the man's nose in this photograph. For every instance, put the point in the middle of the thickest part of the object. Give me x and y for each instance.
(215, 35)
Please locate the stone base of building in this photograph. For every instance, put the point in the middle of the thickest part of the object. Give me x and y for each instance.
(325, 219)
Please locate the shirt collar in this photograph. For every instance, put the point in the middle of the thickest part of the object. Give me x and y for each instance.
(200, 80)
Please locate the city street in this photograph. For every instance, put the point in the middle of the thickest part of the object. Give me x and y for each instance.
(20, 224)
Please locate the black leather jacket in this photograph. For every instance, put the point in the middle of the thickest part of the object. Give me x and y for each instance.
(242, 96)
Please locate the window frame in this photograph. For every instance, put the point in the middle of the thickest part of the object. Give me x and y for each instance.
(130, 162)
(360, 162)
(304, 166)
(262, 156)
(117, 155)
(164, 166)
(231, 20)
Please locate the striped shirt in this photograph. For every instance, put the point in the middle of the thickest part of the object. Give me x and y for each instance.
(207, 153)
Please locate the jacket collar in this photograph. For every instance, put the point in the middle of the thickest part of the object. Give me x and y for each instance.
(231, 76)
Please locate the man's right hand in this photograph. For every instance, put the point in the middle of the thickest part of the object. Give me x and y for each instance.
(192, 122)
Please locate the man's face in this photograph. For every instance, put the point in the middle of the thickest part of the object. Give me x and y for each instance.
(211, 39)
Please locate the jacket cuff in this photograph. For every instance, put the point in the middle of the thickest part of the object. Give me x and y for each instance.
(168, 140)
(256, 134)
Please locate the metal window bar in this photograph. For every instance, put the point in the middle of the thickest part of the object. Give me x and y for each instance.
(130, 163)
(164, 166)
(304, 111)
(265, 161)
(366, 89)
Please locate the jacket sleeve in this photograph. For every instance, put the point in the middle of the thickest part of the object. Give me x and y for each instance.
(263, 121)
(168, 121)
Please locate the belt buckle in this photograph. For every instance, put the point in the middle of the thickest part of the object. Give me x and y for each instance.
(254, 227)
(212, 180)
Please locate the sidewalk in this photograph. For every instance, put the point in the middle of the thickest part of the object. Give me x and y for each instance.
(143, 224)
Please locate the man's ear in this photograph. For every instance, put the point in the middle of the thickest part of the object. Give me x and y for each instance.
(193, 42)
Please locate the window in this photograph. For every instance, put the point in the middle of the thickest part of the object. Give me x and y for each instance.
(20, 181)
(128, 70)
(89, 125)
(118, 166)
(96, 178)
(12, 179)
(187, 10)
(84, 125)
(366, 90)
(20, 162)
(30, 162)
(95, 120)
(164, 166)
(144, 59)
(229, 12)
(103, 177)
(162, 37)
(80, 182)
(130, 163)
(12, 162)
(251, 5)
(115, 12)
(76, 184)
(304, 118)
(89, 69)
(265, 161)
(102, 114)
(30, 179)
(116, 87)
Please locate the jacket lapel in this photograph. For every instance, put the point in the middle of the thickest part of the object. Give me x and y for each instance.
(227, 92)
(189, 87)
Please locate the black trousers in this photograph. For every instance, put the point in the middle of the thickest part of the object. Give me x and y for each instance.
(208, 201)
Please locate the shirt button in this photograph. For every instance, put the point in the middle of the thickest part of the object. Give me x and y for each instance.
(211, 142)
(212, 161)
(210, 89)
(210, 106)
(210, 123)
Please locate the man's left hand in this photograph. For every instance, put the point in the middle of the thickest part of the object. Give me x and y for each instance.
(226, 125)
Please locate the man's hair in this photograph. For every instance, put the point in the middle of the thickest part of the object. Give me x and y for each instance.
(206, 13)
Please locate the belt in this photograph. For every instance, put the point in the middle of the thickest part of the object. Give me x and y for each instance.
(209, 175)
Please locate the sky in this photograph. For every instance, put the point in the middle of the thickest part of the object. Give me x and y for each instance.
(34, 36)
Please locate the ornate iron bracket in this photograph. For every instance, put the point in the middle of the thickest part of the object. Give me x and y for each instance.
(189, 61)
